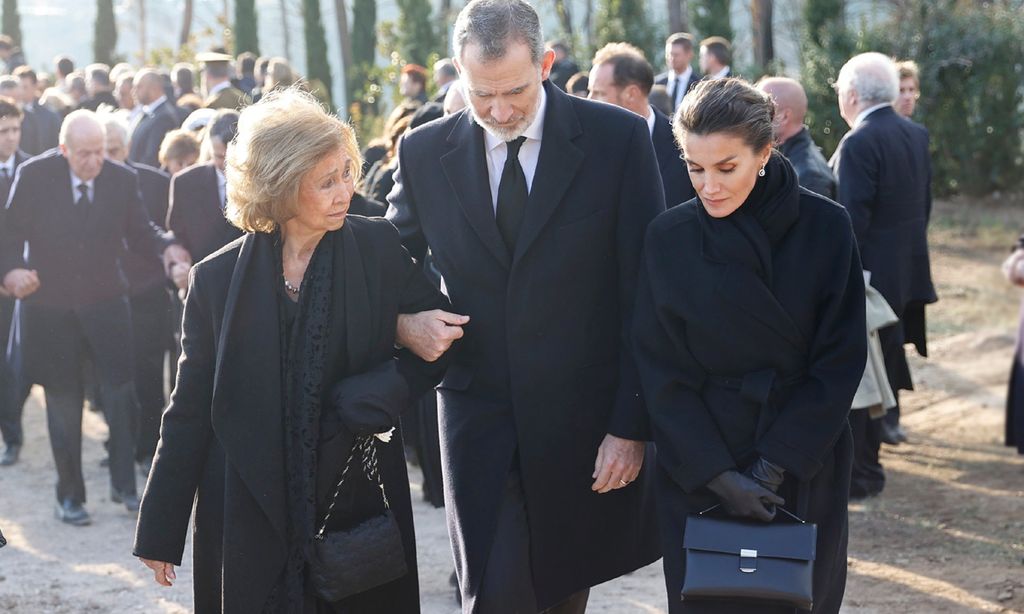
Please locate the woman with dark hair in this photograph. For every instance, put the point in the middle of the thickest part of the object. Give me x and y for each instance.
(749, 334)
(288, 364)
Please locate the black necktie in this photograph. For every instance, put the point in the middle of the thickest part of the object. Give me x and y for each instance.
(83, 201)
(677, 93)
(512, 196)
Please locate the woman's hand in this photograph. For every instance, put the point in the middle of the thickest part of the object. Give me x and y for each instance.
(163, 573)
(743, 497)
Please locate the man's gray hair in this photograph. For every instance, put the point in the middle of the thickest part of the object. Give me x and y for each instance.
(493, 24)
(76, 119)
(873, 76)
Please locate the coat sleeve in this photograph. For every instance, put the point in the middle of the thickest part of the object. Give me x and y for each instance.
(402, 211)
(175, 222)
(857, 184)
(144, 237)
(641, 199)
(690, 447)
(185, 435)
(814, 416)
(15, 220)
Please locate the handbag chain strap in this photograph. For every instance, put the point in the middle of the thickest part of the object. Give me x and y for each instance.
(368, 447)
(778, 507)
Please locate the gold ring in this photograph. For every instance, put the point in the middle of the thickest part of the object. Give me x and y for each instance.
(624, 482)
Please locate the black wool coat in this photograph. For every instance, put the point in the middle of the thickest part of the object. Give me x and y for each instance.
(40, 129)
(811, 168)
(221, 439)
(149, 133)
(147, 272)
(7, 303)
(674, 176)
(195, 214)
(544, 371)
(77, 254)
(750, 342)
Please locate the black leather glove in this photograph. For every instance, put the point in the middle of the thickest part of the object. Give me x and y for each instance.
(766, 473)
(743, 497)
(371, 402)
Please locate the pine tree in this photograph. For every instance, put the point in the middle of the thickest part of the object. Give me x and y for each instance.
(625, 20)
(317, 67)
(419, 39)
(364, 46)
(246, 27)
(822, 16)
(711, 18)
(105, 35)
(11, 25)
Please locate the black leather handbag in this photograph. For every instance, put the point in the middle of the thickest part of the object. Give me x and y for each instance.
(366, 556)
(748, 561)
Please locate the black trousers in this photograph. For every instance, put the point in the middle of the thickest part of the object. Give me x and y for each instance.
(507, 585)
(868, 476)
(64, 423)
(14, 387)
(151, 336)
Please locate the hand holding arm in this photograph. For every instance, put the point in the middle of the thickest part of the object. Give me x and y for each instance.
(429, 334)
(21, 282)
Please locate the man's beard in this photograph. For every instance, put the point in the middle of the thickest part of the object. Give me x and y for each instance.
(508, 132)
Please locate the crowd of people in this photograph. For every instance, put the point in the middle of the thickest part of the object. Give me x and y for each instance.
(585, 319)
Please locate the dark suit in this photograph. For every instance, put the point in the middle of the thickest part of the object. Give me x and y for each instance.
(663, 79)
(195, 213)
(100, 98)
(152, 316)
(80, 313)
(543, 372)
(148, 133)
(14, 387)
(221, 445)
(674, 176)
(810, 166)
(883, 178)
(40, 129)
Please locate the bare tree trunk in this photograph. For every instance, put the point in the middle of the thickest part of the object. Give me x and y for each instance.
(588, 23)
(186, 23)
(341, 15)
(764, 48)
(678, 17)
(283, 4)
(565, 20)
(142, 29)
(442, 27)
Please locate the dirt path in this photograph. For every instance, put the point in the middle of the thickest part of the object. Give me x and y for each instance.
(946, 536)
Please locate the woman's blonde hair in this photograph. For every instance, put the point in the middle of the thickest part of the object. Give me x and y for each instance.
(279, 140)
(179, 144)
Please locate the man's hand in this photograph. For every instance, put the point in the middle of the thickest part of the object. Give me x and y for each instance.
(179, 275)
(163, 573)
(21, 282)
(174, 255)
(429, 334)
(618, 463)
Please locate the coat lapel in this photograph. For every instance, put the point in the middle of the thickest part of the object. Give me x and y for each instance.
(465, 166)
(246, 408)
(360, 325)
(559, 160)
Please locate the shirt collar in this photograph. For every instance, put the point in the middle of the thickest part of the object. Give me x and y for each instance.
(9, 164)
(651, 118)
(685, 75)
(721, 74)
(149, 108)
(76, 181)
(216, 89)
(868, 111)
(534, 131)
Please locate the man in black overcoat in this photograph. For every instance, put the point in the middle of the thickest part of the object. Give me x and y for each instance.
(792, 137)
(40, 126)
(13, 386)
(195, 213)
(158, 117)
(541, 417)
(883, 177)
(623, 77)
(76, 211)
(152, 311)
(680, 77)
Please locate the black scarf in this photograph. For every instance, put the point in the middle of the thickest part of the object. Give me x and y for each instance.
(302, 374)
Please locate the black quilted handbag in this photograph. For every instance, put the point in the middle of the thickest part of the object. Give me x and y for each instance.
(749, 562)
(366, 556)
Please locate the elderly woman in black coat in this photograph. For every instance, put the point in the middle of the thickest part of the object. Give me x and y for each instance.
(288, 357)
(749, 334)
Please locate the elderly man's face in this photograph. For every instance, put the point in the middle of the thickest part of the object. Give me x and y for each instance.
(85, 150)
(504, 94)
(117, 149)
(10, 136)
(847, 104)
(325, 193)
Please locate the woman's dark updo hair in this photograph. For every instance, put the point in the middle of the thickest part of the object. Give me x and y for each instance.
(731, 106)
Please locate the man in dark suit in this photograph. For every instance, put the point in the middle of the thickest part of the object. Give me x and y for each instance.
(13, 387)
(101, 90)
(40, 126)
(152, 313)
(794, 139)
(716, 57)
(158, 117)
(883, 177)
(444, 75)
(76, 212)
(564, 67)
(623, 77)
(680, 76)
(195, 213)
(533, 204)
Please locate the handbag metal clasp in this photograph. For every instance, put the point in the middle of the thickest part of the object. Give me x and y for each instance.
(748, 560)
